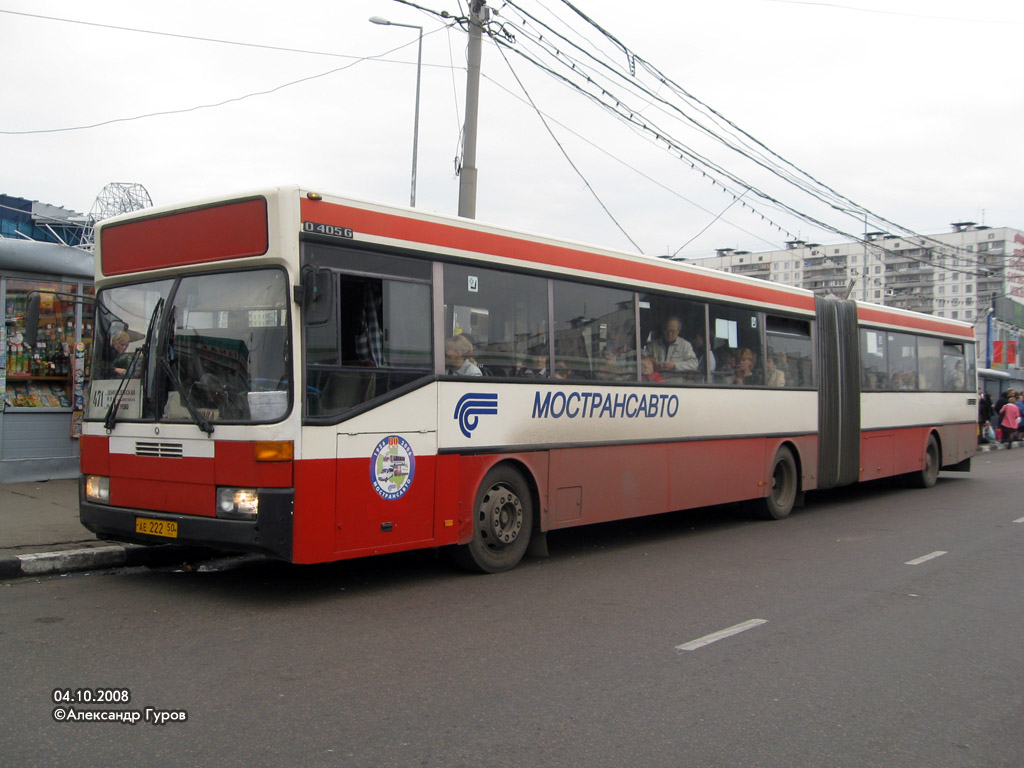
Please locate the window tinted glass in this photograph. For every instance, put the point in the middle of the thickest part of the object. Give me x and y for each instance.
(954, 371)
(737, 346)
(901, 349)
(874, 368)
(371, 335)
(971, 382)
(929, 364)
(503, 316)
(351, 260)
(590, 320)
(789, 359)
(674, 335)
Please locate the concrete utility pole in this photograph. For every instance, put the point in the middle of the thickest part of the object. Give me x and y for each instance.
(478, 16)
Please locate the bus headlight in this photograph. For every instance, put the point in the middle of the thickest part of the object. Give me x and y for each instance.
(237, 503)
(97, 489)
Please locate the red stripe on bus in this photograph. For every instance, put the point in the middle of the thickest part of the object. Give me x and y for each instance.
(232, 230)
(918, 322)
(419, 232)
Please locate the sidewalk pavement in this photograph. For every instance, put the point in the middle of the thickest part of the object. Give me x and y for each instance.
(40, 534)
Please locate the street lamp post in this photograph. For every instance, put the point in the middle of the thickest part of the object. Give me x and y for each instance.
(416, 119)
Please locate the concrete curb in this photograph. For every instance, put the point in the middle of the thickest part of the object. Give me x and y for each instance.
(995, 446)
(111, 556)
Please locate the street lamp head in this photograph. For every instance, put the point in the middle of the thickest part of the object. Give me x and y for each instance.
(416, 120)
(389, 23)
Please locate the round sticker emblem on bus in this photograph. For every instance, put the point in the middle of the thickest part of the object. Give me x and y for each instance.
(392, 467)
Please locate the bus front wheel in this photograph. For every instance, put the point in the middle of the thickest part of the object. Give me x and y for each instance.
(502, 523)
(785, 484)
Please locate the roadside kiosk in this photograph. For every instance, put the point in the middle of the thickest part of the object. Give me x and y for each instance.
(42, 387)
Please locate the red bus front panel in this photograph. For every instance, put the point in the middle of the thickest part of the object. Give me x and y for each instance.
(231, 230)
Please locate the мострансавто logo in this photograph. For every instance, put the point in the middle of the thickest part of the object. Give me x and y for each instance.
(573, 404)
(471, 406)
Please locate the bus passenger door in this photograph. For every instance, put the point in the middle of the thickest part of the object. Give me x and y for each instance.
(385, 479)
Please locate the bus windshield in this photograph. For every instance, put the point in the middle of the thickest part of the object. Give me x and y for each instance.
(211, 348)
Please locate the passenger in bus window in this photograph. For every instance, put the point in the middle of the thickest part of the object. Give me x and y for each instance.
(903, 380)
(647, 372)
(563, 371)
(536, 363)
(705, 357)
(673, 355)
(619, 357)
(458, 353)
(745, 373)
(774, 376)
(725, 373)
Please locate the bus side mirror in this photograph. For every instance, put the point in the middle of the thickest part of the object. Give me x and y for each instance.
(316, 294)
(32, 320)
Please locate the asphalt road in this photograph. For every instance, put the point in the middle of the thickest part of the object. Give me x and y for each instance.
(607, 653)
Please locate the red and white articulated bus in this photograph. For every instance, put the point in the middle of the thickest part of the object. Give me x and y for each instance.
(318, 378)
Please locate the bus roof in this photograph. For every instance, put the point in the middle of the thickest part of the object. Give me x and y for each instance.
(238, 227)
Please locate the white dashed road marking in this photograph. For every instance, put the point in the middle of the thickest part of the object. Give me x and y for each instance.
(716, 636)
(926, 558)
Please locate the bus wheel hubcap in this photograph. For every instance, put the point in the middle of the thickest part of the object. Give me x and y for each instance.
(501, 516)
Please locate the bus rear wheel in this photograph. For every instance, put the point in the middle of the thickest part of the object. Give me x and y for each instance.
(502, 523)
(929, 472)
(785, 483)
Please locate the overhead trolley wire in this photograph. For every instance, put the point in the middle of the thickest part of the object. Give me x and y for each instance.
(740, 141)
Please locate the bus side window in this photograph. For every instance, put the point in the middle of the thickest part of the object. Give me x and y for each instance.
(675, 331)
(737, 344)
(788, 362)
(504, 314)
(591, 321)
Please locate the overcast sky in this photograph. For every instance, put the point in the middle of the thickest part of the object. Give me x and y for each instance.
(909, 108)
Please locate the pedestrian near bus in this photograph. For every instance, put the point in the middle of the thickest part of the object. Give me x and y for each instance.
(997, 412)
(1009, 416)
(986, 410)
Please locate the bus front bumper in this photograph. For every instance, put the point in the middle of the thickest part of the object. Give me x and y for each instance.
(270, 534)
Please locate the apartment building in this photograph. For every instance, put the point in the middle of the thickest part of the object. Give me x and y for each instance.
(957, 274)
(973, 273)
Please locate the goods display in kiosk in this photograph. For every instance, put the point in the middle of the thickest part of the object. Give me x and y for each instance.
(41, 375)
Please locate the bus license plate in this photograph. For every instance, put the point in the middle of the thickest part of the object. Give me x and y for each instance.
(167, 528)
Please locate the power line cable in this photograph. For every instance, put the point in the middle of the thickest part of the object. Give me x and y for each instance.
(858, 208)
(565, 154)
(180, 36)
(730, 205)
(633, 168)
(829, 197)
(214, 105)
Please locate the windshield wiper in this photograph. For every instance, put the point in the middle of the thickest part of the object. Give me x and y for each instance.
(201, 421)
(164, 356)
